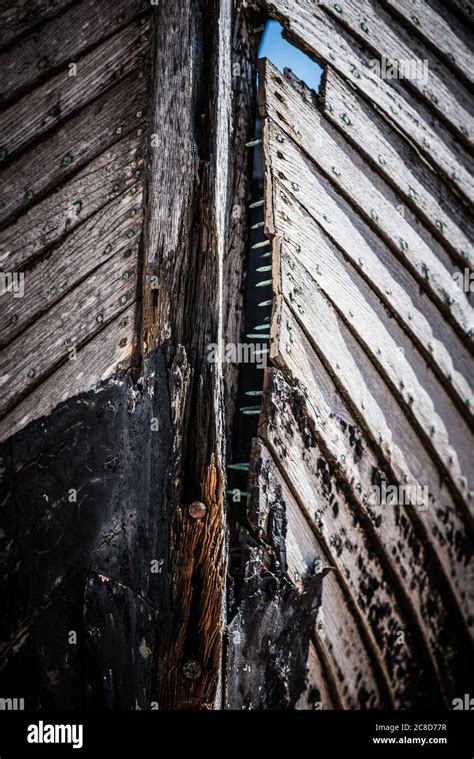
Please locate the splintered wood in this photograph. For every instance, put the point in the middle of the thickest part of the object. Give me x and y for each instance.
(371, 341)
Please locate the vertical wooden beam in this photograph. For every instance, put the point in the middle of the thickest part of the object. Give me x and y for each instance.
(183, 296)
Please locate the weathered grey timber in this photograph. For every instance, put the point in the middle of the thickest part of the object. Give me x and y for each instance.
(327, 40)
(373, 368)
(80, 156)
(127, 182)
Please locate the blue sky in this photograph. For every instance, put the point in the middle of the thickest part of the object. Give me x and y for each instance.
(282, 54)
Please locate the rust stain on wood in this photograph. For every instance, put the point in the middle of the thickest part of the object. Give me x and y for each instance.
(198, 561)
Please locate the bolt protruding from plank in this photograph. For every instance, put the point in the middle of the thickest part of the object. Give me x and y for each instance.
(197, 510)
(192, 669)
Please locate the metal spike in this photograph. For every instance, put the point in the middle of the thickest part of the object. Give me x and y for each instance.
(250, 410)
(253, 143)
(262, 244)
(258, 225)
(239, 467)
(257, 204)
(254, 392)
(264, 268)
(261, 326)
(258, 336)
(265, 283)
(265, 303)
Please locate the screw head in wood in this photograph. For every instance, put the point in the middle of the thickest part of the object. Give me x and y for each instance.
(197, 510)
(192, 669)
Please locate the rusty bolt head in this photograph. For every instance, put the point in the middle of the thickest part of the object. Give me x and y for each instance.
(192, 669)
(197, 510)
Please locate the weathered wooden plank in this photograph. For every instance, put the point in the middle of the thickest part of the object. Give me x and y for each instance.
(318, 266)
(24, 15)
(442, 92)
(392, 437)
(438, 27)
(422, 189)
(116, 170)
(192, 43)
(97, 360)
(61, 41)
(315, 31)
(349, 549)
(320, 692)
(367, 192)
(333, 471)
(80, 315)
(115, 608)
(275, 619)
(446, 354)
(277, 611)
(293, 354)
(78, 141)
(113, 230)
(363, 681)
(351, 666)
(184, 246)
(465, 9)
(48, 105)
(173, 180)
(99, 443)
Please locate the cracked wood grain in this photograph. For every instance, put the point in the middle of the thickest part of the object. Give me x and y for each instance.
(70, 323)
(78, 140)
(353, 401)
(423, 190)
(62, 41)
(285, 572)
(442, 348)
(47, 106)
(440, 91)
(112, 231)
(117, 169)
(325, 40)
(368, 193)
(21, 18)
(438, 27)
(94, 364)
